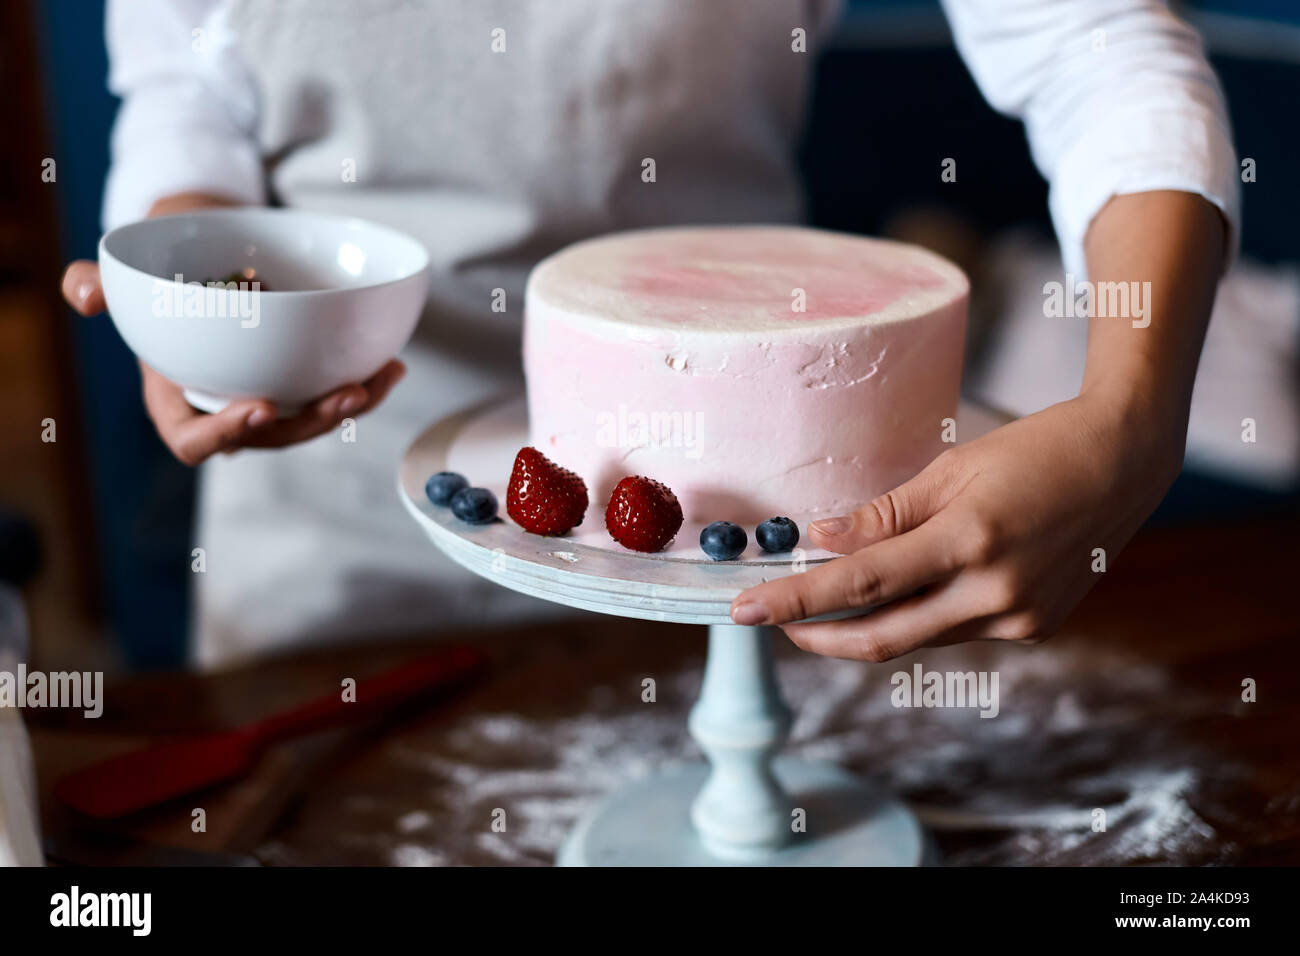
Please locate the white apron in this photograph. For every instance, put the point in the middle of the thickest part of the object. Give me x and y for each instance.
(493, 160)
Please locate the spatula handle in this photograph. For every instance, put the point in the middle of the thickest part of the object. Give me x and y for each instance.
(374, 695)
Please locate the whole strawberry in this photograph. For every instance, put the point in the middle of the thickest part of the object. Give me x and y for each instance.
(542, 497)
(643, 514)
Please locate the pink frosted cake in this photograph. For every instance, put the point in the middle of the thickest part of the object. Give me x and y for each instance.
(755, 370)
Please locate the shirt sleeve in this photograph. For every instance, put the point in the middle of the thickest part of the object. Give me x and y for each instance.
(188, 115)
(1117, 97)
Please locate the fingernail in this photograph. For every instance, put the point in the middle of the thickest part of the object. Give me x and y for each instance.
(749, 613)
(259, 417)
(84, 289)
(350, 404)
(832, 525)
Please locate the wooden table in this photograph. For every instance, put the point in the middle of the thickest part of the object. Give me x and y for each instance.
(1135, 711)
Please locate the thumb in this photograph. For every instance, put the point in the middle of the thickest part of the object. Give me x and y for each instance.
(81, 287)
(893, 513)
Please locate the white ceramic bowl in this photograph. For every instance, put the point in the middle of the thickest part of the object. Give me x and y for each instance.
(345, 296)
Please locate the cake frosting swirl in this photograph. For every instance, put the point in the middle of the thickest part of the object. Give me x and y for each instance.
(755, 370)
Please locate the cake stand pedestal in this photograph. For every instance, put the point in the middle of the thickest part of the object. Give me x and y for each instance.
(747, 805)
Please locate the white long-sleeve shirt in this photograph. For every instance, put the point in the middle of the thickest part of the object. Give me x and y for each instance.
(1116, 96)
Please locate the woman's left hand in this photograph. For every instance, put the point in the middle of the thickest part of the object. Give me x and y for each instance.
(1000, 536)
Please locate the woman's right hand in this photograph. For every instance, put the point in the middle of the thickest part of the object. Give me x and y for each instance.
(194, 436)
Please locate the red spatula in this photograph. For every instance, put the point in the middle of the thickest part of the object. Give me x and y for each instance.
(145, 778)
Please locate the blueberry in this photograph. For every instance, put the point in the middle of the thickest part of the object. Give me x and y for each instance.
(777, 535)
(443, 485)
(475, 505)
(723, 540)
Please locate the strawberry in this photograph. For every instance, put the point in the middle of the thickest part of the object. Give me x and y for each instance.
(643, 514)
(542, 497)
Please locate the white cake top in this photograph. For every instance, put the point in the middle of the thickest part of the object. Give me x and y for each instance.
(744, 278)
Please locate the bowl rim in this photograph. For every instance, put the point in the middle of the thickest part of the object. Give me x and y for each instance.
(239, 212)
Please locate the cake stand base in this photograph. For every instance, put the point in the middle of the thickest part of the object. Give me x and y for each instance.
(849, 824)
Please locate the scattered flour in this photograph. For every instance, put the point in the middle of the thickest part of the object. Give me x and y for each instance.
(1018, 788)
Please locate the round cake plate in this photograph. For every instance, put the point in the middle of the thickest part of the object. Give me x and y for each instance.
(744, 808)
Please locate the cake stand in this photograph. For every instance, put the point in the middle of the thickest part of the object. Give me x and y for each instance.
(747, 805)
